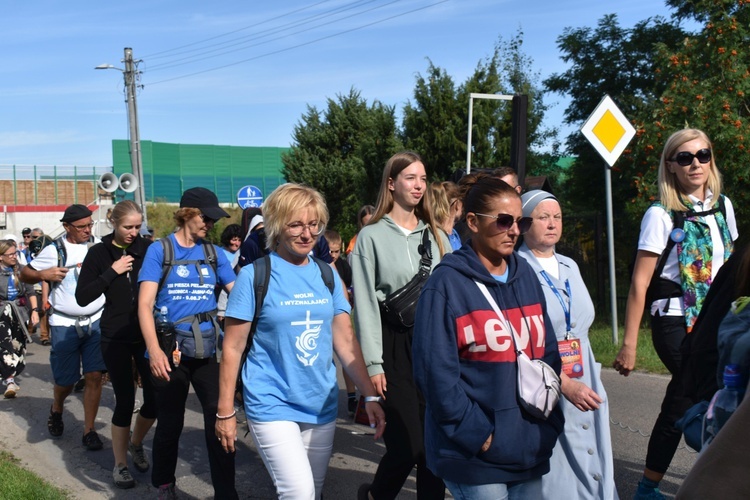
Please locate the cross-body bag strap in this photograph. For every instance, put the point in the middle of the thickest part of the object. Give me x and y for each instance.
(483, 288)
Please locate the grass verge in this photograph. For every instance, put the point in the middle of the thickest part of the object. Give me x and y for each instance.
(605, 351)
(20, 484)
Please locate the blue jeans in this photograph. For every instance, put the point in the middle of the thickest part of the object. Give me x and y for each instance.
(520, 490)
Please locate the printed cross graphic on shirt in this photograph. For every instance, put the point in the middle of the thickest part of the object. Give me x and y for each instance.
(308, 340)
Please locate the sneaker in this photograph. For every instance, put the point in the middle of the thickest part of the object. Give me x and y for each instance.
(140, 461)
(363, 493)
(91, 441)
(45, 342)
(11, 390)
(80, 385)
(643, 493)
(122, 477)
(55, 424)
(167, 492)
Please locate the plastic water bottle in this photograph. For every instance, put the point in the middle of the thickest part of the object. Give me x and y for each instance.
(725, 401)
(729, 397)
(163, 326)
(164, 330)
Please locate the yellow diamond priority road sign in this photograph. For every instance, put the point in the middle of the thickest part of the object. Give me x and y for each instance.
(608, 130)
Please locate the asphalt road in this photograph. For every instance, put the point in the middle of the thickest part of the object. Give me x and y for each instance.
(63, 461)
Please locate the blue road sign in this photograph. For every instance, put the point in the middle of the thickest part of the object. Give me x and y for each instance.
(249, 196)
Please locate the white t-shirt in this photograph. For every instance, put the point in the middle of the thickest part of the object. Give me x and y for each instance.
(550, 265)
(63, 295)
(656, 227)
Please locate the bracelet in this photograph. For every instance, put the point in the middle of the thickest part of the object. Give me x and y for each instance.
(373, 399)
(226, 417)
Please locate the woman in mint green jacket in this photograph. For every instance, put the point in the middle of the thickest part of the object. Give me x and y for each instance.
(385, 258)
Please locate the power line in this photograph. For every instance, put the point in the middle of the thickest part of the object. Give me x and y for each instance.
(246, 44)
(158, 55)
(286, 49)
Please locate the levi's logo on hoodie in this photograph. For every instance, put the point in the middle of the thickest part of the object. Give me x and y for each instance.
(482, 336)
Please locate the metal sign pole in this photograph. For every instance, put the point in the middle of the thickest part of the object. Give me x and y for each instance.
(611, 251)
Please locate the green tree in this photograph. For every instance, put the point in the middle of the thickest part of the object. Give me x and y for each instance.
(615, 61)
(434, 125)
(706, 82)
(435, 122)
(341, 152)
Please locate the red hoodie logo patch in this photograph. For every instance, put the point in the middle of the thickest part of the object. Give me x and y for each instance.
(482, 336)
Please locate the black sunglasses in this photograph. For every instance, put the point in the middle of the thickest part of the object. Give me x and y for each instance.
(206, 219)
(684, 158)
(505, 221)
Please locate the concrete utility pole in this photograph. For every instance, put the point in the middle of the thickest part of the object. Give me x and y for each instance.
(131, 74)
(131, 79)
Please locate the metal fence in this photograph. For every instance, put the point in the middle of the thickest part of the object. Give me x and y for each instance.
(49, 184)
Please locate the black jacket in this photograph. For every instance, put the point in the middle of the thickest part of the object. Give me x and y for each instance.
(119, 322)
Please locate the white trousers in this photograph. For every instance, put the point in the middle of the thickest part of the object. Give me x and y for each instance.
(296, 456)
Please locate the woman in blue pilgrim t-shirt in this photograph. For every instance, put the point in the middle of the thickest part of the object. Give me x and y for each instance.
(289, 379)
(187, 291)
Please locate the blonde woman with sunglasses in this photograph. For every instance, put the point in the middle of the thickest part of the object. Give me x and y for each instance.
(673, 286)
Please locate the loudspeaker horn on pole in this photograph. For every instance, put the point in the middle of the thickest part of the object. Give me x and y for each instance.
(108, 182)
(128, 183)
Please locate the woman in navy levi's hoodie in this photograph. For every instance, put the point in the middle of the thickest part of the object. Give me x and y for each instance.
(477, 437)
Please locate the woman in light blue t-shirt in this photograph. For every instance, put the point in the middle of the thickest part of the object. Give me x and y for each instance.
(289, 379)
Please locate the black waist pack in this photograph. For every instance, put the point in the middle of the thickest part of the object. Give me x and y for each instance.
(399, 307)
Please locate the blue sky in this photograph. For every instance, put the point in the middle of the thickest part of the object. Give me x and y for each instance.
(55, 109)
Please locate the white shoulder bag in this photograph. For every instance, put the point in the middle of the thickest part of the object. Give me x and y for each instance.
(538, 384)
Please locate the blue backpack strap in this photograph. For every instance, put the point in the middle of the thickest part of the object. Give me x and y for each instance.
(62, 258)
(62, 255)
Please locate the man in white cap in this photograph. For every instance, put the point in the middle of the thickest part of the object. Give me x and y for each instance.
(74, 329)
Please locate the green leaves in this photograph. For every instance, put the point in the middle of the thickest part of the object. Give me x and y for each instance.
(341, 153)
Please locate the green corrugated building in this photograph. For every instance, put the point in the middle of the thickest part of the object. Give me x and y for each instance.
(170, 169)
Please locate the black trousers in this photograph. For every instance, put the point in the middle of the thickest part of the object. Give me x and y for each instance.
(118, 358)
(404, 432)
(668, 332)
(171, 396)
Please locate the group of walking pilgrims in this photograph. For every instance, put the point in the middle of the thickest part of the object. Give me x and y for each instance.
(438, 376)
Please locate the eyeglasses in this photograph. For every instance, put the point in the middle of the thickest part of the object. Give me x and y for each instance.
(83, 226)
(207, 220)
(684, 158)
(505, 221)
(11, 254)
(297, 228)
(26, 236)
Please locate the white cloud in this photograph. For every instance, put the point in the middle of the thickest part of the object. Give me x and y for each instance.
(25, 139)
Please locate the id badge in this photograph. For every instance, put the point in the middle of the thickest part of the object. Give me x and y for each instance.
(571, 356)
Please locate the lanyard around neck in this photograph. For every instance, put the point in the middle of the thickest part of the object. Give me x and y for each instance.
(565, 308)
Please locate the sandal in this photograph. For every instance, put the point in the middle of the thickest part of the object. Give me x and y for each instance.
(55, 424)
